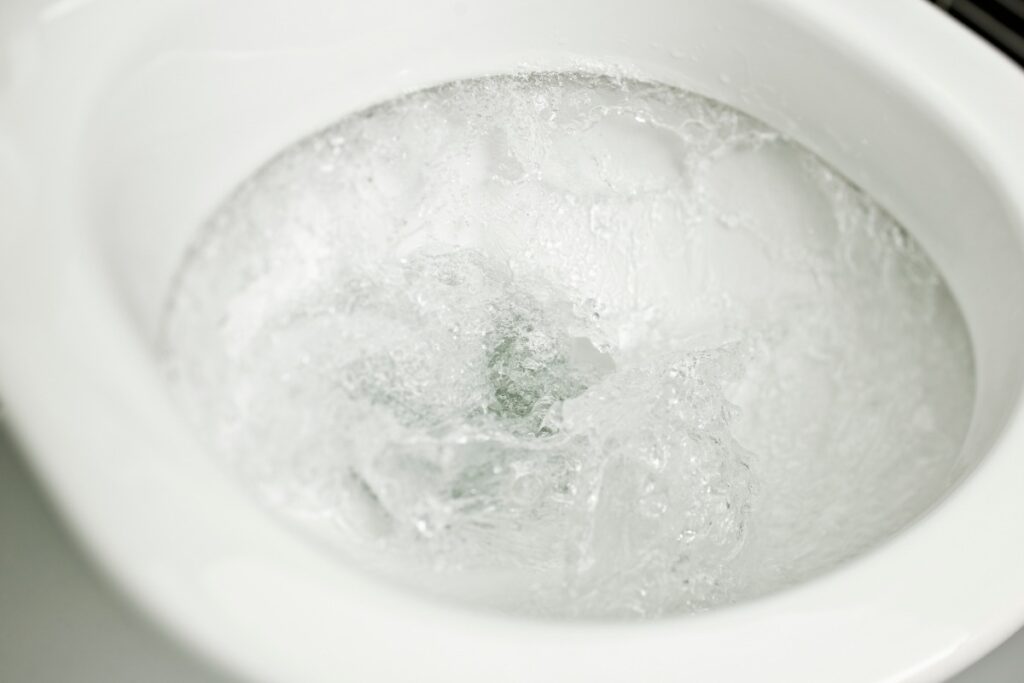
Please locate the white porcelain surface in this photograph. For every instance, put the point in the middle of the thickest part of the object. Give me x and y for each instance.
(63, 622)
(122, 122)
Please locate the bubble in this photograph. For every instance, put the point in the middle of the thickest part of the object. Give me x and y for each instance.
(575, 345)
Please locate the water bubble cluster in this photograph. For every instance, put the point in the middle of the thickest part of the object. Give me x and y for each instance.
(567, 344)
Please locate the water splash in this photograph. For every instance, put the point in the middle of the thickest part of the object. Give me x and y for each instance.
(571, 344)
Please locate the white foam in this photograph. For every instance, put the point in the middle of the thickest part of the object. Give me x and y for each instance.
(570, 344)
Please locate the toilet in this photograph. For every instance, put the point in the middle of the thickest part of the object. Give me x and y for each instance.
(123, 123)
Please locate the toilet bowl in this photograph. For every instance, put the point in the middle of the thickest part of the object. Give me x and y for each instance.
(124, 122)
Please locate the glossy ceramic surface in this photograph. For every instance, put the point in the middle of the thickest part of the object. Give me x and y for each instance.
(123, 122)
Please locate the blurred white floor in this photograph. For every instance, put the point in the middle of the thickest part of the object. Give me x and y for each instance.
(61, 622)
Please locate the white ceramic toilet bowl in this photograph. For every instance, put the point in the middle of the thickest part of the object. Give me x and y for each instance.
(124, 122)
